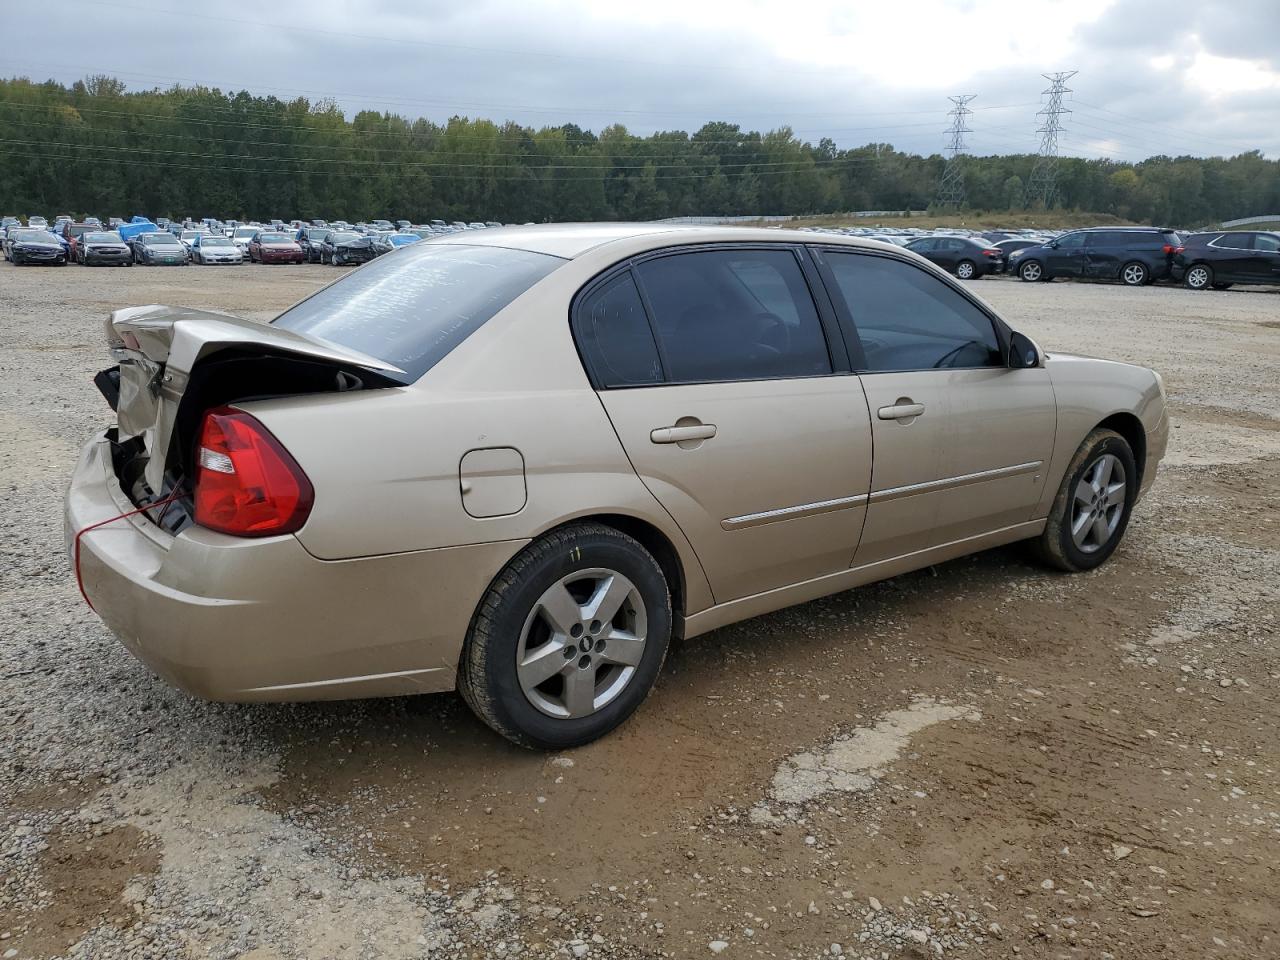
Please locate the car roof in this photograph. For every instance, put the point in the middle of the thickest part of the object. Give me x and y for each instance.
(572, 240)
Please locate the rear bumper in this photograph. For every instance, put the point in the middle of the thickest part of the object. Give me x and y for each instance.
(227, 618)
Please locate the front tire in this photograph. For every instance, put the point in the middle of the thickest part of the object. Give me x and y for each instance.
(1135, 274)
(1031, 272)
(1091, 511)
(568, 639)
(1199, 277)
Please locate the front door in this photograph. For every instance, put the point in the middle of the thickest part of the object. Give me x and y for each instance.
(728, 395)
(1067, 257)
(961, 441)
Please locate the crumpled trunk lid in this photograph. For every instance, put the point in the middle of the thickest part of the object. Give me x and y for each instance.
(158, 347)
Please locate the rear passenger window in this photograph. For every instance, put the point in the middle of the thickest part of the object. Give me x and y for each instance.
(908, 319)
(734, 315)
(1266, 241)
(614, 336)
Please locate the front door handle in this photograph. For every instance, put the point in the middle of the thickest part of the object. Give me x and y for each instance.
(904, 409)
(680, 434)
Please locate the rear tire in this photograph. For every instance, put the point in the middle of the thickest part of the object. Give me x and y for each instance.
(966, 270)
(538, 617)
(1091, 511)
(1135, 274)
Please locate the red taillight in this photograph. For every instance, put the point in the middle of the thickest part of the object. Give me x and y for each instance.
(992, 253)
(247, 485)
(1170, 248)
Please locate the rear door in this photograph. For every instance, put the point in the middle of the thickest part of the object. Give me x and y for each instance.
(961, 441)
(727, 382)
(1104, 250)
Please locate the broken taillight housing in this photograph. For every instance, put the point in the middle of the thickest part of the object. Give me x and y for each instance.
(247, 484)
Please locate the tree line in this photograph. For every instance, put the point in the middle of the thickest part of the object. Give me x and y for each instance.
(96, 147)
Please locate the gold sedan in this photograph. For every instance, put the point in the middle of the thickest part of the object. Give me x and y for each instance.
(517, 462)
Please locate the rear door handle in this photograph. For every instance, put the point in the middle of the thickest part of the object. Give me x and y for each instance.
(900, 411)
(698, 431)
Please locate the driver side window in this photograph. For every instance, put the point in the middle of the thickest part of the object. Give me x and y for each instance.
(908, 319)
(1072, 241)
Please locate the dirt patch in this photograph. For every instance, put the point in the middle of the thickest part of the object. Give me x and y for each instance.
(80, 880)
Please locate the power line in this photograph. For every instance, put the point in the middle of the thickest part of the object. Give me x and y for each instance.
(951, 186)
(1044, 175)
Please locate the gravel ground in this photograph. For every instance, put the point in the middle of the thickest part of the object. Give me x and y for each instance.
(981, 760)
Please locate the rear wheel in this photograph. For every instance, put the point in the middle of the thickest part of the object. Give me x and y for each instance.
(1031, 271)
(1091, 511)
(1199, 277)
(1134, 274)
(568, 639)
(966, 270)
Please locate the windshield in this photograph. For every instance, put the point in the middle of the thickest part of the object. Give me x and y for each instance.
(412, 309)
(158, 239)
(245, 231)
(343, 237)
(102, 238)
(208, 241)
(34, 236)
(274, 238)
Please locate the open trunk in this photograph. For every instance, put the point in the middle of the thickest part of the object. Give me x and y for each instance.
(173, 364)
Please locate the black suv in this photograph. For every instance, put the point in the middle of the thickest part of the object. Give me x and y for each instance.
(1132, 255)
(1225, 257)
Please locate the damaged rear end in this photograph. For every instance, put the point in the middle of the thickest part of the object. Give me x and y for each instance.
(177, 373)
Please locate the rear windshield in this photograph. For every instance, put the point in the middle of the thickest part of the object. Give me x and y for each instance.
(410, 310)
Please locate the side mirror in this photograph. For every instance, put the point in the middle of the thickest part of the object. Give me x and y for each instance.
(1023, 353)
(1054, 244)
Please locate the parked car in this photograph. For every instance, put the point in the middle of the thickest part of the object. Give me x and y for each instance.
(34, 246)
(37, 223)
(682, 455)
(103, 248)
(1133, 255)
(241, 237)
(343, 238)
(274, 247)
(310, 240)
(71, 234)
(213, 248)
(968, 259)
(1218, 260)
(159, 249)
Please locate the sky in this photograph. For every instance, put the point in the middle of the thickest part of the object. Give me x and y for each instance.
(1154, 77)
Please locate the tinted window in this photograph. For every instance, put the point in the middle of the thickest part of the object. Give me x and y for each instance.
(907, 319)
(922, 246)
(412, 309)
(613, 334)
(1072, 241)
(734, 315)
(101, 238)
(1266, 241)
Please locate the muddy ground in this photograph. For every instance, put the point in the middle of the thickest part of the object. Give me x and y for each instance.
(982, 759)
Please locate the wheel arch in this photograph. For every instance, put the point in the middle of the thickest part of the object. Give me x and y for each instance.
(1135, 434)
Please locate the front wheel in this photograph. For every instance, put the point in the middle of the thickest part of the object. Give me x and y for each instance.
(1199, 277)
(568, 639)
(1091, 511)
(1031, 271)
(966, 270)
(1134, 274)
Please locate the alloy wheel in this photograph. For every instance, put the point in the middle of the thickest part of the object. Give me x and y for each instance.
(965, 271)
(1030, 271)
(1098, 504)
(1134, 274)
(581, 643)
(1197, 278)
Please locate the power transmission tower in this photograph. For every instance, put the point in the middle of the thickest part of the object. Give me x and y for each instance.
(951, 186)
(1044, 175)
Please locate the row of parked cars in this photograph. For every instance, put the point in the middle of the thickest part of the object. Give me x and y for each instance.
(1134, 256)
(167, 243)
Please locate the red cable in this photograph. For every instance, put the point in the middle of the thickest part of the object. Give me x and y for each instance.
(102, 523)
